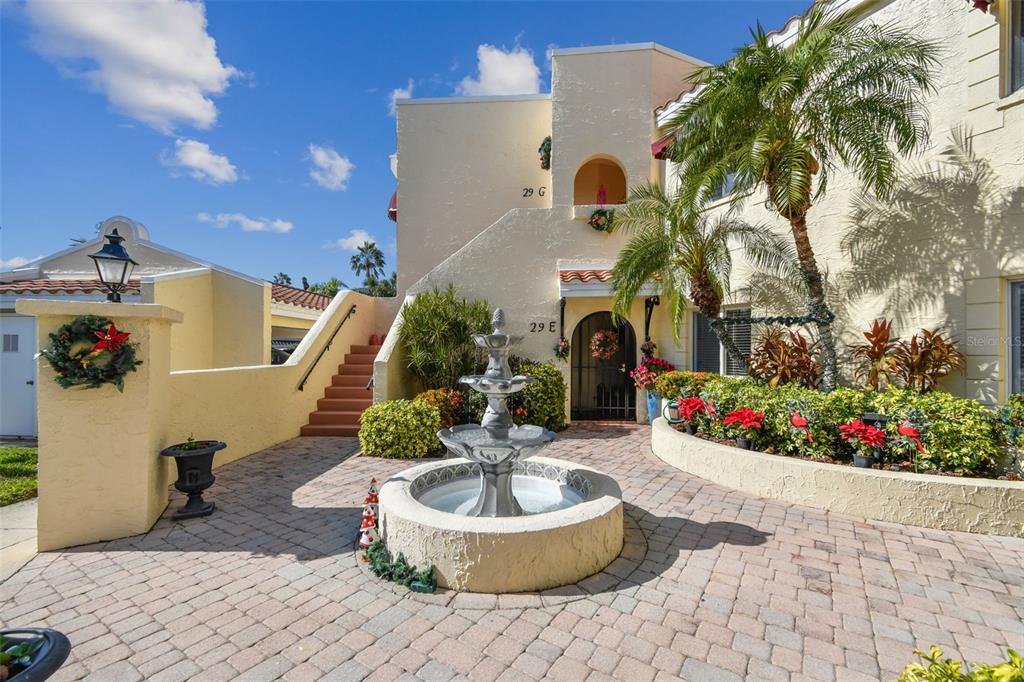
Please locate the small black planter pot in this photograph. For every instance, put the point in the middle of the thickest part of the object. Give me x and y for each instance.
(195, 474)
(745, 443)
(691, 428)
(863, 461)
(50, 655)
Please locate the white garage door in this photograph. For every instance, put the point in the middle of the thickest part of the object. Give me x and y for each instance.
(18, 376)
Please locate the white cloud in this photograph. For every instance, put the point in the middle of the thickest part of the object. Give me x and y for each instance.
(16, 262)
(202, 163)
(353, 241)
(247, 224)
(502, 73)
(154, 61)
(330, 169)
(397, 94)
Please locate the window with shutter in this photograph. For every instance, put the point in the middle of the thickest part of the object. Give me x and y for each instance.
(706, 349)
(740, 334)
(10, 343)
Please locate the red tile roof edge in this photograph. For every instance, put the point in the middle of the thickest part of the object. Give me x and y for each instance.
(282, 293)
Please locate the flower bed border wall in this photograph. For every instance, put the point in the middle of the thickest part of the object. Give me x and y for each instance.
(972, 505)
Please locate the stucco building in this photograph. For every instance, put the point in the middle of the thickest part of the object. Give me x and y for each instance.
(476, 209)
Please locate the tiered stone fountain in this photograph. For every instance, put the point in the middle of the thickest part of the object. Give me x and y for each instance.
(491, 521)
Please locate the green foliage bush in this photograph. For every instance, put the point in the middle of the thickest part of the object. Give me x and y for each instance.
(399, 429)
(1012, 417)
(544, 399)
(437, 336)
(939, 669)
(960, 435)
(681, 384)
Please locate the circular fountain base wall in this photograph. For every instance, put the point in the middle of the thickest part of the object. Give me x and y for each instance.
(510, 554)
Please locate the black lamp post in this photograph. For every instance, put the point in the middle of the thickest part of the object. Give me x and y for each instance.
(114, 266)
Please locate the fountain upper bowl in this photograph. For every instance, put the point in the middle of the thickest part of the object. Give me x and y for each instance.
(477, 444)
(497, 386)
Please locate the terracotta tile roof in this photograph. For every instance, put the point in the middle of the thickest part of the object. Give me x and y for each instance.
(584, 275)
(300, 297)
(61, 286)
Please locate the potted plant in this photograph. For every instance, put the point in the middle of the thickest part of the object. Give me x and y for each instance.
(563, 349)
(31, 653)
(867, 441)
(689, 408)
(194, 459)
(644, 375)
(746, 423)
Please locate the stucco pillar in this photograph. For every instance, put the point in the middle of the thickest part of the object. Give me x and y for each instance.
(100, 473)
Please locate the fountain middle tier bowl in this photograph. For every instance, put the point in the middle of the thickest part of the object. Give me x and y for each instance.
(572, 527)
(476, 443)
(496, 386)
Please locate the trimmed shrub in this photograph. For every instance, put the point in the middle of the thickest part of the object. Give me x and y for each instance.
(959, 435)
(544, 399)
(437, 336)
(1012, 417)
(448, 402)
(934, 667)
(681, 384)
(399, 429)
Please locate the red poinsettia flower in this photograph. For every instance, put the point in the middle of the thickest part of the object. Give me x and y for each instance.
(907, 430)
(690, 407)
(865, 434)
(746, 418)
(110, 340)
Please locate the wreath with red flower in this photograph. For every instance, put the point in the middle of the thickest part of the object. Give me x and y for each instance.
(604, 344)
(90, 351)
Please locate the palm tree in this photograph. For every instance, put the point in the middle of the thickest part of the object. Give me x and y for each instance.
(283, 278)
(368, 260)
(784, 117)
(685, 255)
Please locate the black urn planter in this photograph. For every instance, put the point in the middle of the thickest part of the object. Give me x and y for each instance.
(49, 650)
(745, 443)
(195, 474)
(691, 428)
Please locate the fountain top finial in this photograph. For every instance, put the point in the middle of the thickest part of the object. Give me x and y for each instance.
(498, 320)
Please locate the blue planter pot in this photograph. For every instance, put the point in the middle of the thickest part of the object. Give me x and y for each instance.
(653, 403)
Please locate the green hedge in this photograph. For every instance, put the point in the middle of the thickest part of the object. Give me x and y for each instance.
(960, 435)
(399, 429)
(544, 399)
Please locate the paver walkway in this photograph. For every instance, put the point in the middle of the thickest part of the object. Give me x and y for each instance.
(713, 585)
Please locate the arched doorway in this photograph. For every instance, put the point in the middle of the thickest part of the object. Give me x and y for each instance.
(600, 180)
(600, 389)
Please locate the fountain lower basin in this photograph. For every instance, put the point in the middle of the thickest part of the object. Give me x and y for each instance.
(542, 549)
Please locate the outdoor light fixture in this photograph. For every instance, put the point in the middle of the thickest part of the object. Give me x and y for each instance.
(114, 266)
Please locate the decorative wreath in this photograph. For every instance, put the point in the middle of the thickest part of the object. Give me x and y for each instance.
(90, 352)
(563, 349)
(545, 153)
(604, 344)
(601, 219)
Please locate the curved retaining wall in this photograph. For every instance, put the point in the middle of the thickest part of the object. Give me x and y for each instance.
(973, 505)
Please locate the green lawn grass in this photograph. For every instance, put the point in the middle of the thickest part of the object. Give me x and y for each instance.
(17, 474)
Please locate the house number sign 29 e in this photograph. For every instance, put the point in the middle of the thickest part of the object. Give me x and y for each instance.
(528, 191)
(541, 326)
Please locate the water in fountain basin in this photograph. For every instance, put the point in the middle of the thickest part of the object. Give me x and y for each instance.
(535, 495)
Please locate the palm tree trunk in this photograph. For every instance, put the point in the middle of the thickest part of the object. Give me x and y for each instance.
(731, 349)
(816, 304)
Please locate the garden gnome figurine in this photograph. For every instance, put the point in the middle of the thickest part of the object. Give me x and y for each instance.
(602, 195)
(373, 490)
(368, 530)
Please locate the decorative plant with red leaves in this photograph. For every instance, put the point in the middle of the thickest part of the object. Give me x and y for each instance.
(926, 358)
(863, 437)
(875, 361)
(744, 420)
(781, 357)
(690, 408)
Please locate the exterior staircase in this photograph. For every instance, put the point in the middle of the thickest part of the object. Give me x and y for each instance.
(337, 413)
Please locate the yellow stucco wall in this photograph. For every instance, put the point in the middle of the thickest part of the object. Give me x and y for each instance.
(95, 487)
(241, 321)
(192, 340)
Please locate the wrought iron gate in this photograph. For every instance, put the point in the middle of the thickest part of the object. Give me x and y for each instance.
(600, 389)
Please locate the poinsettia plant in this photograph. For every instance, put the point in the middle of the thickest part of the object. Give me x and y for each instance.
(745, 421)
(689, 408)
(863, 437)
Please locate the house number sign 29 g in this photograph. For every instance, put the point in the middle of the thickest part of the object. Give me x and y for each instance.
(528, 191)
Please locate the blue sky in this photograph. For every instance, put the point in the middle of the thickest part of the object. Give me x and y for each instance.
(257, 134)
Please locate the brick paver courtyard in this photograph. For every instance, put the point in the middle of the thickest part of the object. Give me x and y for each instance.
(712, 585)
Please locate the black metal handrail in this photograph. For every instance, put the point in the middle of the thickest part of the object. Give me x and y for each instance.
(327, 346)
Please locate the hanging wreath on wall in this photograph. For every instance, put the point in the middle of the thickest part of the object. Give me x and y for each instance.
(90, 351)
(604, 344)
(545, 153)
(601, 219)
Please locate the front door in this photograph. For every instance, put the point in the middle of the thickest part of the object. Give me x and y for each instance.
(18, 376)
(600, 388)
